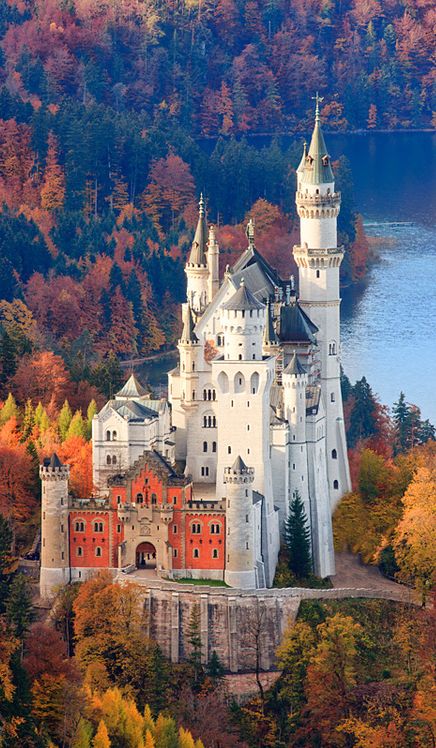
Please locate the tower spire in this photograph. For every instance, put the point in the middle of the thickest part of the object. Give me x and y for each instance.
(198, 250)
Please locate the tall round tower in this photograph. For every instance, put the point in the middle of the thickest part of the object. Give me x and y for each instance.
(294, 402)
(55, 563)
(240, 550)
(319, 258)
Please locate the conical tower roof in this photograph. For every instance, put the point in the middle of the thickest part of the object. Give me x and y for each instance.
(239, 465)
(269, 334)
(132, 388)
(317, 168)
(243, 300)
(294, 367)
(188, 334)
(199, 244)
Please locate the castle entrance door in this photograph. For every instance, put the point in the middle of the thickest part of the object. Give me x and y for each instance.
(146, 556)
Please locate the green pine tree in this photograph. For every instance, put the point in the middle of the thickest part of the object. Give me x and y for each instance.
(64, 420)
(28, 420)
(8, 358)
(215, 668)
(77, 426)
(90, 413)
(194, 640)
(18, 608)
(427, 432)
(9, 410)
(363, 418)
(6, 559)
(298, 541)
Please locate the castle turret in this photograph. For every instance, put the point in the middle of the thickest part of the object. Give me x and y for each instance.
(240, 546)
(197, 270)
(55, 564)
(319, 258)
(213, 257)
(294, 403)
(189, 349)
(243, 322)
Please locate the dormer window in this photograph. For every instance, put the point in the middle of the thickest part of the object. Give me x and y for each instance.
(325, 160)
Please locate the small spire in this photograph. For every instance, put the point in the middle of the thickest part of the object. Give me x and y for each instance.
(294, 367)
(188, 334)
(249, 232)
(198, 251)
(318, 99)
(201, 206)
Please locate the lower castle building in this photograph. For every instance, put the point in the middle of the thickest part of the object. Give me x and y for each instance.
(199, 485)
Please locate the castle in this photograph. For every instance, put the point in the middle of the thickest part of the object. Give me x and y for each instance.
(199, 485)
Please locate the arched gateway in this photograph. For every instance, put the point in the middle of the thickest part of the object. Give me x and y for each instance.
(146, 556)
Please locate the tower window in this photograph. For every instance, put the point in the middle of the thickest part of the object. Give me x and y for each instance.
(196, 553)
(108, 460)
(332, 397)
(318, 273)
(139, 498)
(98, 526)
(204, 446)
(108, 436)
(196, 528)
(175, 529)
(98, 551)
(79, 526)
(114, 436)
(240, 357)
(175, 552)
(334, 454)
(335, 484)
(79, 551)
(229, 450)
(153, 498)
(213, 446)
(215, 528)
(114, 460)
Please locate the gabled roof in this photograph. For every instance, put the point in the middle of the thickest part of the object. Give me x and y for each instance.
(199, 244)
(132, 388)
(294, 367)
(295, 325)
(317, 168)
(243, 300)
(132, 410)
(251, 258)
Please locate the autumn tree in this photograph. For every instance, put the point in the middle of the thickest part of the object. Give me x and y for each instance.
(42, 377)
(53, 187)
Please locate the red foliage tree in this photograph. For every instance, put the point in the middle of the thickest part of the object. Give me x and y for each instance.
(42, 377)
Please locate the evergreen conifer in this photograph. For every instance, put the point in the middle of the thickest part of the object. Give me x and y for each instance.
(9, 409)
(194, 640)
(64, 420)
(298, 542)
(363, 419)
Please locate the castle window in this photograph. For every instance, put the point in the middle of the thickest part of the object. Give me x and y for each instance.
(248, 427)
(335, 484)
(118, 528)
(215, 528)
(204, 471)
(108, 460)
(246, 546)
(118, 499)
(332, 397)
(193, 366)
(43, 515)
(204, 394)
(215, 553)
(153, 498)
(139, 498)
(213, 446)
(79, 525)
(175, 529)
(246, 518)
(196, 553)
(204, 446)
(114, 460)
(174, 499)
(62, 555)
(318, 273)
(334, 454)
(114, 436)
(98, 552)
(229, 450)
(108, 436)
(79, 550)
(196, 528)
(62, 528)
(175, 552)
(240, 357)
(98, 526)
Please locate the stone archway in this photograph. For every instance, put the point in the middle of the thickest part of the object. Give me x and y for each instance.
(145, 556)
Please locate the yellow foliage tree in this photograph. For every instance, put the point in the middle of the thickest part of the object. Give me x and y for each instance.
(415, 535)
(101, 738)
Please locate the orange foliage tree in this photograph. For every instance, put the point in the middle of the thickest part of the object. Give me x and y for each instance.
(77, 453)
(17, 501)
(42, 377)
(53, 187)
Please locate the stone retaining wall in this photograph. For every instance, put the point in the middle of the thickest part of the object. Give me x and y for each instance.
(238, 624)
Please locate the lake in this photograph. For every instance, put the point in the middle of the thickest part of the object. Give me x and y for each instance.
(388, 325)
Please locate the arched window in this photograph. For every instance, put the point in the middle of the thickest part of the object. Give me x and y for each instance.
(239, 382)
(332, 397)
(108, 460)
(79, 525)
(108, 436)
(254, 382)
(229, 450)
(196, 528)
(204, 446)
(334, 454)
(196, 553)
(98, 526)
(79, 550)
(139, 498)
(153, 498)
(215, 528)
(209, 422)
(215, 553)
(205, 422)
(335, 484)
(114, 436)
(318, 273)
(114, 460)
(213, 446)
(223, 381)
(204, 394)
(98, 552)
(214, 422)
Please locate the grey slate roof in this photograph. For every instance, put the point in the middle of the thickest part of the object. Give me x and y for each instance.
(317, 168)
(239, 465)
(243, 300)
(294, 366)
(295, 325)
(188, 334)
(132, 410)
(259, 276)
(199, 244)
(53, 461)
(132, 388)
